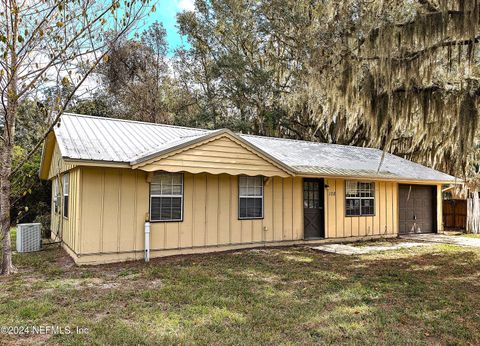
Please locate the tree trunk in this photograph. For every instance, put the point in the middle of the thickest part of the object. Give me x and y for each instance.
(7, 266)
(6, 153)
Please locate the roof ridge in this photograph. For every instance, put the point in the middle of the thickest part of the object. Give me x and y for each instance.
(306, 141)
(135, 121)
(209, 130)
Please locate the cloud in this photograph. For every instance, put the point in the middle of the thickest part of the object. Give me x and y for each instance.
(186, 5)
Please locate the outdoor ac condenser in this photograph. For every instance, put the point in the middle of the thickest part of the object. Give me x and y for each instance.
(29, 237)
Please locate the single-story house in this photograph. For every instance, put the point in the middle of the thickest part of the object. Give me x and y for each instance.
(117, 184)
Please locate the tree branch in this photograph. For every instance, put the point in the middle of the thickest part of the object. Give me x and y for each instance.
(410, 56)
(67, 101)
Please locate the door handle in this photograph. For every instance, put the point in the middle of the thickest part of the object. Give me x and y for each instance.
(414, 217)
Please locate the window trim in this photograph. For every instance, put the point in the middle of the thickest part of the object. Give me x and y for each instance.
(360, 198)
(155, 195)
(262, 197)
(56, 196)
(66, 193)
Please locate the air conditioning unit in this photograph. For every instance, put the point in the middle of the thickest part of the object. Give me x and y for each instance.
(29, 237)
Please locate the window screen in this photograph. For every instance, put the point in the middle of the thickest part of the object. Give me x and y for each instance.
(250, 195)
(166, 197)
(359, 198)
(66, 186)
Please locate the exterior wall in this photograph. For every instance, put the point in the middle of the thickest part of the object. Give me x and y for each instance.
(115, 202)
(384, 222)
(108, 207)
(67, 228)
(439, 202)
(221, 155)
(57, 164)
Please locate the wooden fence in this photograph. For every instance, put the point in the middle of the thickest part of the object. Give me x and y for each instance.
(454, 214)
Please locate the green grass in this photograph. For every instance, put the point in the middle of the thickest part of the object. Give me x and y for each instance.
(427, 295)
(461, 234)
(471, 235)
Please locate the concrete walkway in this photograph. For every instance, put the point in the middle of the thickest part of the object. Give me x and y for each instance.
(345, 249)
(443, 239)
(411, 240)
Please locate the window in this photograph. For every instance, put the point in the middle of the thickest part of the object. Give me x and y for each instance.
(166, 197)
(250, 194)
(56, 196)
(360, 198)
(66, 185)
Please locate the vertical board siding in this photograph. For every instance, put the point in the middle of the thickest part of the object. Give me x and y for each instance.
(115, 201)
(384, 222)
(58, 165)
(268, 212)
(109, 207)
(297, 206)
(67, 229)
(439, 201)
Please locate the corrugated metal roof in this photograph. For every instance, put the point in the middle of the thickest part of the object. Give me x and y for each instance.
(82, 137)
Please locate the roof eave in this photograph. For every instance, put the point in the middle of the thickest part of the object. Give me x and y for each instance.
(47, 153)
(378, 178)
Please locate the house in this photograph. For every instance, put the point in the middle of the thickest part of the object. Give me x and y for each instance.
(214, 190)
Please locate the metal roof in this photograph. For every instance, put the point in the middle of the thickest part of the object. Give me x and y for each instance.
(82, 137)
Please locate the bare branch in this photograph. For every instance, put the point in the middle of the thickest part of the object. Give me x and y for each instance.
(67, 101)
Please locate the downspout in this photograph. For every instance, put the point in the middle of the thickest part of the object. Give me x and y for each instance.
(147, 241)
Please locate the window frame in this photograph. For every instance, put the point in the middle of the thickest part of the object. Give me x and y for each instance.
(56, 196)
(359, 198)
(182, 198)
(66, 194)
(247, 197)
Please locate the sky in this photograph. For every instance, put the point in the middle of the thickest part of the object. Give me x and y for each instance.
(166, 12)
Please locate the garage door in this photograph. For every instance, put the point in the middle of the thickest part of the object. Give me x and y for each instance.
(417, 209)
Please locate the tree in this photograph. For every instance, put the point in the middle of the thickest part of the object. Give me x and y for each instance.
(43, 44)
(409, 72)
(247, 57)
(397, 75)
(137, 75)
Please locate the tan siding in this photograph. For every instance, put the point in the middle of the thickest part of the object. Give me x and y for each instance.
(235, 224)
(127, 217)
(297, 217)
(58, 165)
(287, 209)
(439, 209)
(339, 208)
(199, 209)
(222, 155)
(111, 205)
(211, 207)
(67, 229)
(268, 212)
(277, 208)
(224, 209)
(115, 201)
(186, 234)
(110, 213)
(337, 225)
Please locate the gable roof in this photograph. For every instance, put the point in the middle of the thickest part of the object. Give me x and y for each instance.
(97, 139)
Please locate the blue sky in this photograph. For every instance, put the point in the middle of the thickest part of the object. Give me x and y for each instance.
(166, 13)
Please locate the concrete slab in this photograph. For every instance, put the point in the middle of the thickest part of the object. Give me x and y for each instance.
(443, 239)
(345, 249)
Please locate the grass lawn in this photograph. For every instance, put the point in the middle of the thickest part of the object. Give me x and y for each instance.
(471, 235)
(425, 295)
(461, 234)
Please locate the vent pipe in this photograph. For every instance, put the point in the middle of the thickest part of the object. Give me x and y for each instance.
(147, 241)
